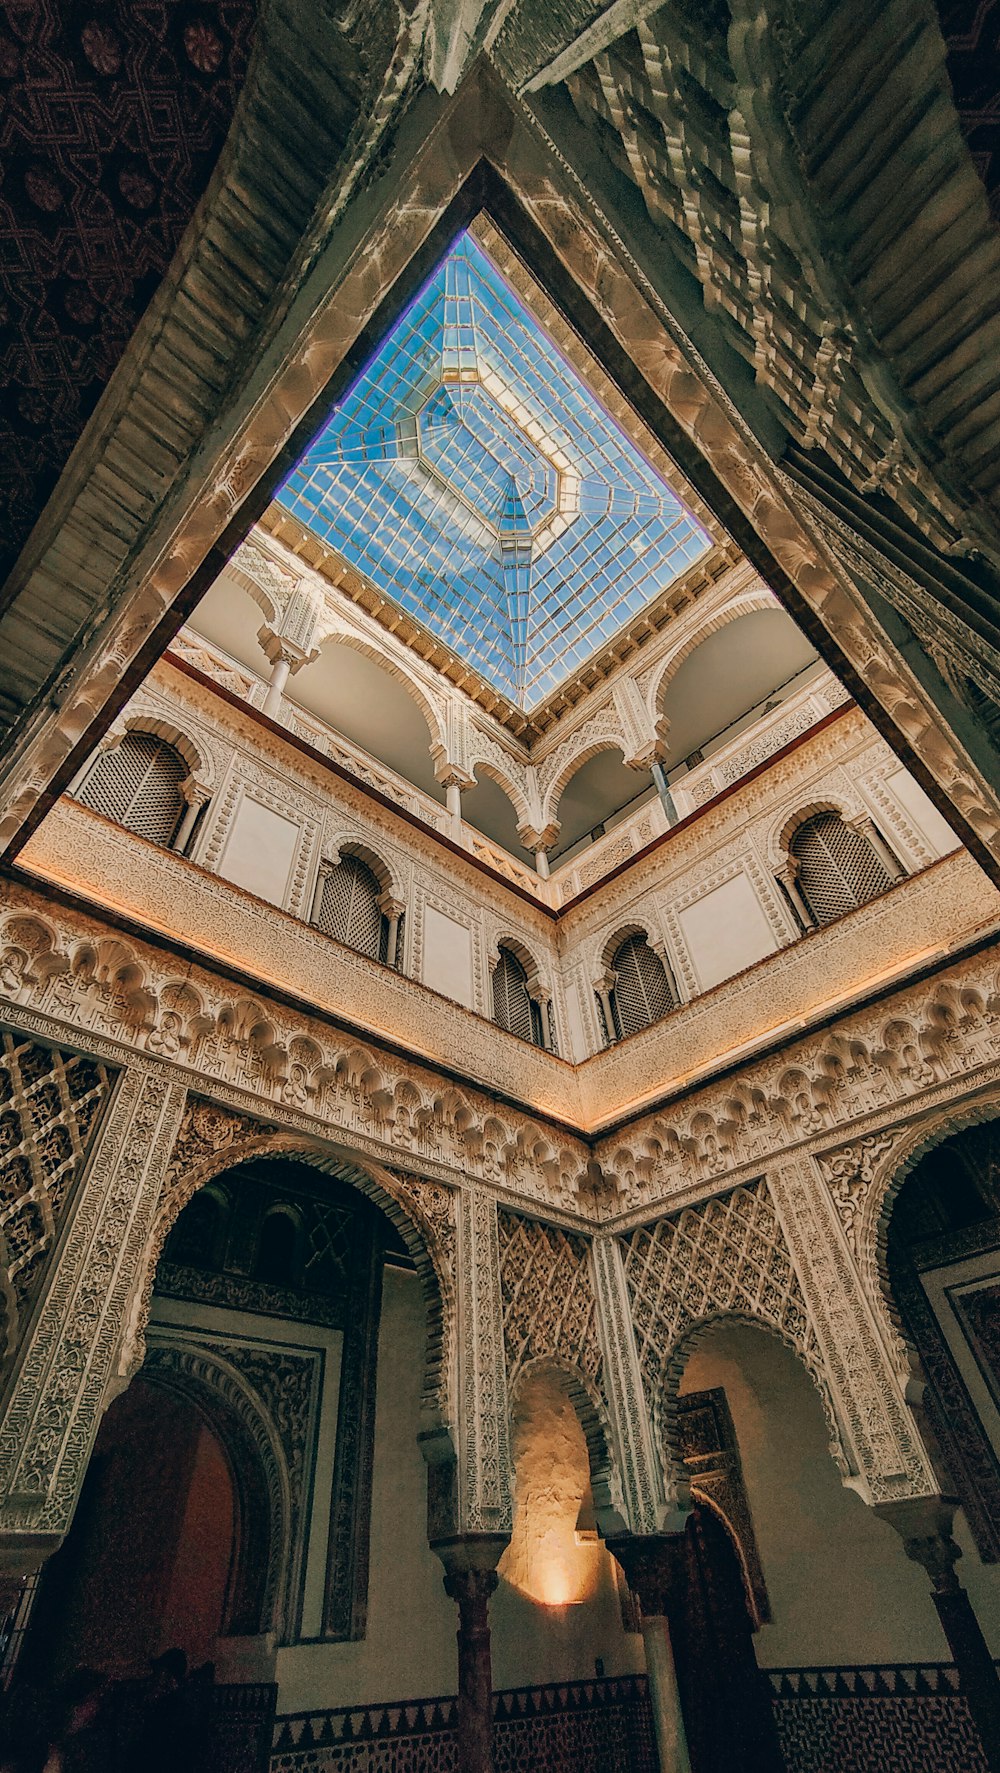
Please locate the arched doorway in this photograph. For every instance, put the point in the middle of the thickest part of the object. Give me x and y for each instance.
(942, 1262)
(149, 1562)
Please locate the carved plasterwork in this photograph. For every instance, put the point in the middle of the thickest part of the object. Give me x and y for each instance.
(50, 1101)
(879, 1442)
(376, 1101)
(68, 1364)
(850, 1172)
(925, 1048)
(485, 1461)
(728, 1257)
(549, 1308)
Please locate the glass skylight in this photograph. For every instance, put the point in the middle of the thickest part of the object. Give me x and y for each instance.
(474, 478)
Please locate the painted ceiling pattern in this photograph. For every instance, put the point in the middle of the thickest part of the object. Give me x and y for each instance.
(473, 477)
(112, 117)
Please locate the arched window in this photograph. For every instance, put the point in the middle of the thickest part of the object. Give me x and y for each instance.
(642, 991)
(838, 869)
(276, 1260)
(513, 1008)
(139, 786)
(347, 907)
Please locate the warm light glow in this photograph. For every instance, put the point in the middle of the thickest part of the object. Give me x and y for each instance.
(546, 1559)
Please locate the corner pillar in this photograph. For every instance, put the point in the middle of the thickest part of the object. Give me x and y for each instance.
(470, 1563)
(654, 1566)
(924, 1524)
(72, 1356)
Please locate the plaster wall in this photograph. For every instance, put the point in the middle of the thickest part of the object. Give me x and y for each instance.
(447, 956)
(726, 930)
(259, 851)
(841, 1588)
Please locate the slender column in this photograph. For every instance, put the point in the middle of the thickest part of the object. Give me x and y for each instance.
(454, 797)
(659, 776)
(604, 987)
(924, 1525)
(654, 1564)
(196, 794)
(867, 828)
(542, 864)
(789, 877)
(276, 684)
(392, 910)
(470, 1578)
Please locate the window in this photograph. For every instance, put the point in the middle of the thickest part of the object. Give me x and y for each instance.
(348, 908)
(139, 786)
(643, 992)
(276, 1260)
(838, 869)
(513, 1008)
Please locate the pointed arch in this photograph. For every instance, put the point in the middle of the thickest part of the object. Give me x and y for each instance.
(666, 1417)
(428, 1237)
(584, 751)
(592, 1415)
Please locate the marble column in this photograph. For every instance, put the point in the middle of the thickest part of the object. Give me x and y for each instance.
(924, 1525)
(280, 668)
(470, 1562)
(654, 1565)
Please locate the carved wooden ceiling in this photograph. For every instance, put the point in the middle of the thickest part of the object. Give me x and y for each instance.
(971, 30)
(114, 114)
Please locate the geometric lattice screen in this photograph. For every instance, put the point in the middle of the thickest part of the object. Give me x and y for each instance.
(642, 991)
(728, 1255)
(838, 869)
(139, 786)
(548, 1299)
(49, 1105)
(348, 908)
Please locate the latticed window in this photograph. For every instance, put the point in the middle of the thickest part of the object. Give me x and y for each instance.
(513, 1008)
(643, 992)
(838, 868)
(139, 786)
(348, 908)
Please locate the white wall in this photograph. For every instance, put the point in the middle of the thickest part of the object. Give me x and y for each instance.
(726, 930)
(841, 1587)
(260, 849)
(447, 963)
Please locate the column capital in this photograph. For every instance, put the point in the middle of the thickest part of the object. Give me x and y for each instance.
(655, 1568)
(390, 906)
(195, 791)
(924, 1524)
(279, 649)
(452, 775)
(470, 1564)
(539, 837)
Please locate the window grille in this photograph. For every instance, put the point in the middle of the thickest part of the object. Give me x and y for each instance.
(513, 1009)
(643, 992)
(139, 786)
(348, 908)
(838, 868)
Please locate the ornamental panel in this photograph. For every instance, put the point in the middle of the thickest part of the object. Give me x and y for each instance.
(49, 1104)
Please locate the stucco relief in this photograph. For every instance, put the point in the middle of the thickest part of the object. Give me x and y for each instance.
(68, 1363)
(932, 1042)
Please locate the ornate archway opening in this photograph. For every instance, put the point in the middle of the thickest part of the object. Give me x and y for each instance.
(561, 1478)
(939, 1250)
(167, 1548)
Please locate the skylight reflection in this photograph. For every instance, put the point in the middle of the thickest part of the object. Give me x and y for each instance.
(473, 477)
